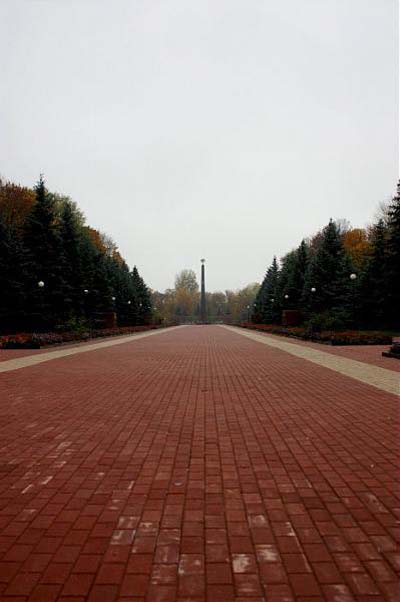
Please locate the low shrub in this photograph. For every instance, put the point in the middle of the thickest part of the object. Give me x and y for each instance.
(330, 337)
(37, 340)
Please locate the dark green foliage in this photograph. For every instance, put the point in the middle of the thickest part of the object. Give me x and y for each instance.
(83, 274)
(373, 281)
(71, 237)
(141, 299)
(267, 306)
(13, 271)
(393, 261)
(298, 272)
(329, 272)
(316, 279)
(43, 241)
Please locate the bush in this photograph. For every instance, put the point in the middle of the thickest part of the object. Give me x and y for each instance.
(330, 337)
(38, 340)
(329, 320)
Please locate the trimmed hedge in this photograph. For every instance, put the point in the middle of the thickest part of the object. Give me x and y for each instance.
(348, 337)
(36, 340)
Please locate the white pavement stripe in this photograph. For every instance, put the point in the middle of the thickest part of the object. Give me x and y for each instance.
(32, 360)
(382, 378)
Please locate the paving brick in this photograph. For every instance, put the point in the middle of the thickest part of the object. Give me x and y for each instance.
(102, 593)
(135, 585)
(77, 585)
(109, 574)
(45, 593)
(199, 465)
(56, 573)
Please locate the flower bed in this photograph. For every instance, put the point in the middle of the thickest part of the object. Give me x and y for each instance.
(36, 340)
(348, 337)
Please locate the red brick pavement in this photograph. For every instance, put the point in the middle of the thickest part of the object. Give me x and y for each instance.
(369, 354)
(197, 465)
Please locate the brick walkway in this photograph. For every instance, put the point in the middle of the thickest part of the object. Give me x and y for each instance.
(368, 354)
(197, 465)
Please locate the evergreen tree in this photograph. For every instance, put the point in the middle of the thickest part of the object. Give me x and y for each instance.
(13, 275)
(43, 241)
(259, 302)
(267, 305)
(373, 282)
(71, 240)
(286, 294)
(98, 298)
(298, 273)
(393, 261)
(141, 298)
(328, 273)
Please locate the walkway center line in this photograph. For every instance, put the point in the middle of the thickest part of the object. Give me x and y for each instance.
(32, 360)
(381, 378)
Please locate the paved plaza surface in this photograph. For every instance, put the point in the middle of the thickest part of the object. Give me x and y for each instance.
(197, 464)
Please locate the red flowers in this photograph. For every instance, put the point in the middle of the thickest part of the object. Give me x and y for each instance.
(348, 337)
(43, 339)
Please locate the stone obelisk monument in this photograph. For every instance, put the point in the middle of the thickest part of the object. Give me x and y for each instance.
(203, 312)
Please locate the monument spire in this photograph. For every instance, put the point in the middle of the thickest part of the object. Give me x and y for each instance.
(203, 312)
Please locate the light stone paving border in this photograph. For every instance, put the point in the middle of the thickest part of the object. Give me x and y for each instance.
(381, 378)
(32, 360)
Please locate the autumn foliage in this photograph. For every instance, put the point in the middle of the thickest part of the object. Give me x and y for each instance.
(58, 273)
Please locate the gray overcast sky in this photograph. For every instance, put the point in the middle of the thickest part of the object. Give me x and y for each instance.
(223, 129)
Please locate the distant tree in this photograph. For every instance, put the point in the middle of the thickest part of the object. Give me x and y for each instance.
(240, 304)
(216, 305)
(186, 295)
(187, 280)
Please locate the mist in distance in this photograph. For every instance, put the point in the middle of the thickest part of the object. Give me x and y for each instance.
(226, 130)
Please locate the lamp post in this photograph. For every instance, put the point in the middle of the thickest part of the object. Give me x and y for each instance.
(41, 303)
(248, 313)
(353, 278)
(86, 307)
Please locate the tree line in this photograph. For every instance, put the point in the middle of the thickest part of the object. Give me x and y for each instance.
(56, 272)
(181, 304)
(341, 277)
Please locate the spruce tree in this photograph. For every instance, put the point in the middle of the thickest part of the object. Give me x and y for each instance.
(142, 299)
(43, 242)
(393, 261)
(373, 282)
(328, 273)
(297, 275)
(259, 302)
(13, 276)
(268, 304)
(286, 292)
(71, 240)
